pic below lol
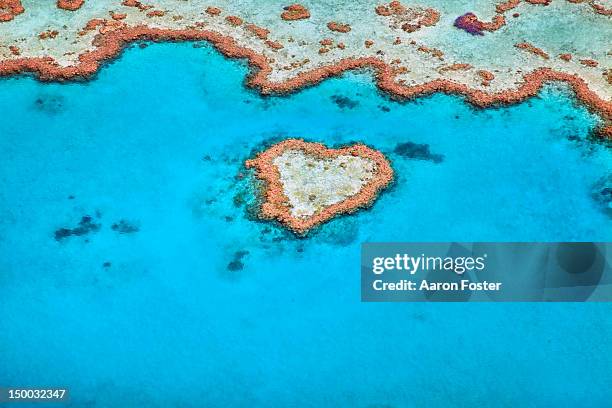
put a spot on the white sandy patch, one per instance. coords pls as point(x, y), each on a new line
point(312, 184)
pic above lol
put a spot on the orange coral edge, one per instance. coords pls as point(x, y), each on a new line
point(70, 5)
point(276, 204)
point(111, 43)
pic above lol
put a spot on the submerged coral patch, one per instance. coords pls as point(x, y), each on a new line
point(602, 194)
point(344, 102)
point(236, 263)
point(125, 227)
point(85, 226)
point(50, 104)
point(417, 151)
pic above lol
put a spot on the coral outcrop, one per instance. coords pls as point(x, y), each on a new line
point(295, 12)
point(9, 9)
point(409, 19)
point(470, 23)
point(70, 5)
point(306, 184)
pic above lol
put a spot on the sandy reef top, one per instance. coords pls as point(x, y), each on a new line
point(312, 184)
point(487, 47)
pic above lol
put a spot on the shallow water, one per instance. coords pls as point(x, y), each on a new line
point(169, 308)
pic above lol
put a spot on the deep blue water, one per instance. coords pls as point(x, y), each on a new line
point(175, 312)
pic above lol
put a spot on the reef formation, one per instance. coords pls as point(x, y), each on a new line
point(413, 49)
point(471, 24)
point(70, 5)
point(306, 184)
point(9, 9)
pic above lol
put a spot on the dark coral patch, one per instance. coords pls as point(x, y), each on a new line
point(236, 264)
point(417, 151)
point(602, 194)
point(49, 104)
point(344, 102)
point(341, 232)
point(125, 227)
point(239, 199)
point(468, 22)
point(85, 226)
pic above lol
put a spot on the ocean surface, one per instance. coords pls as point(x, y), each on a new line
point(133, 272)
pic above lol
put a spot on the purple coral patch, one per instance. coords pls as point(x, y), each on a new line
point(469, 23)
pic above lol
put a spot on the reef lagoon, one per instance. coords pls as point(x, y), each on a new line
point(133, 272)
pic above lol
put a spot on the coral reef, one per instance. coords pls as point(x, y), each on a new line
point(86, 226)
point(455, 67)
point(486, 76)
point(295, 12)
point(258, 31)
point(406, 63)
point(9, 9)
point(507, 5)
point(233, 20)
point(409, 19)
point(470, 23)
point(213, 11)
point(307, 184)
point(587, 62)
point(532, 49)
point(338, 27)
point(417, 151)
point(70, 5)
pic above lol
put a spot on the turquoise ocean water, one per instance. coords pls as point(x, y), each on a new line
point(170, 294)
